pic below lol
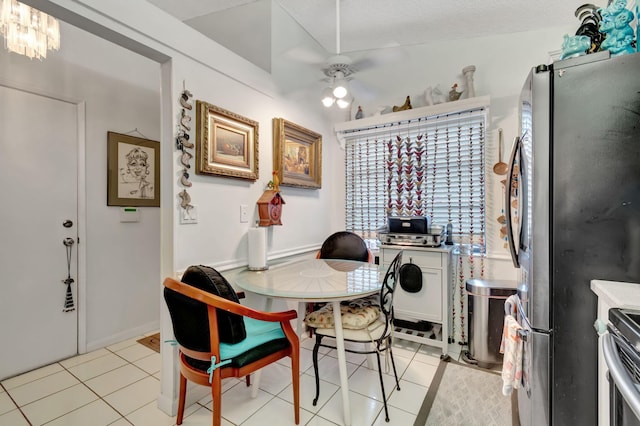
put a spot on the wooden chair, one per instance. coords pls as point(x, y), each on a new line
point(376, 334)
point(219, 338)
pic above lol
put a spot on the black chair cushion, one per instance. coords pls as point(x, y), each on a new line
point(344, 245)
point(189, 317)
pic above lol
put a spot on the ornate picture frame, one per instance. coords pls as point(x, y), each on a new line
point(297, 155)
point(226, 143)
point(133, 171)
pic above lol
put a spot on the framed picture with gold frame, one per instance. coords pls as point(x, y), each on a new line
point(133, 171)
point(297, 155)
point(226, 143)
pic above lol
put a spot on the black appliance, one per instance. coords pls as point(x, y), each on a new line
point(575, 173)
point(411, 231)
point(621, 348)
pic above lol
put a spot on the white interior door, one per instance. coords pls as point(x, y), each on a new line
point(39, 193)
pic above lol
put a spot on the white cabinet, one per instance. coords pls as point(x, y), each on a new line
point(423, 316)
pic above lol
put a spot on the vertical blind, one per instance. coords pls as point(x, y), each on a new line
point(430, 166)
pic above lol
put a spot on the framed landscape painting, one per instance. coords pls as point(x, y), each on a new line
point(297, 155)
point(226, 143)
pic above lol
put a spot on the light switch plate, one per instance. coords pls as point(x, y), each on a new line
point(190, 216)
point(244, 213)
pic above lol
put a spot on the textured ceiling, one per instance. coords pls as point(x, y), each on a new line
point(373, 24)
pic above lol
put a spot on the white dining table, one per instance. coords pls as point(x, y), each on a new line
point(315, 281)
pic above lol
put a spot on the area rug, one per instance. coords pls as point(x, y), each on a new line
point(152, 342)
point(466, 395)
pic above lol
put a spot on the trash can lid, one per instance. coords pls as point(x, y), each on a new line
point(496, 288)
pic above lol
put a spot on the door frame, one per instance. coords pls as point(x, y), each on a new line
point(81, 279)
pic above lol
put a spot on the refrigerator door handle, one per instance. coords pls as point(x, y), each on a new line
point(524, 334)
point(507, 203)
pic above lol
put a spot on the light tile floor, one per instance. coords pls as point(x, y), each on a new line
point(118, 386)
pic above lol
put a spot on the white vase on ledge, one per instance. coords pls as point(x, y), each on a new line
point(468, 77)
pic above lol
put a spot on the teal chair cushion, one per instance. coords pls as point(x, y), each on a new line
point(263, 338)
point(258, 332)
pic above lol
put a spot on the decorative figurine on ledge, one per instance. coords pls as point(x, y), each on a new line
point(574, 46)
point(615, 25)
point(274, 184)
point(403, 107)
point(359, 113)
point(435, 96)
point(454, 94)
point(468, 78)
point(590, 18)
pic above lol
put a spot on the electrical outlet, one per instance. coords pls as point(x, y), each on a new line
point(244, 213)
point(189, 216)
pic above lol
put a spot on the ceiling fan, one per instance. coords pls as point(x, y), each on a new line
point(339, 70)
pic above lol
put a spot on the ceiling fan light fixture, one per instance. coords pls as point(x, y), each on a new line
point(343, 103)
point(340, 89)
point(327, 97)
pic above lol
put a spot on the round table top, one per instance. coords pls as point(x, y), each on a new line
point(314, 280)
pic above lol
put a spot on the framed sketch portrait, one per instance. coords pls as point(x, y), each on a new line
point(133, 171)
point(226, 143)
point(297, 155)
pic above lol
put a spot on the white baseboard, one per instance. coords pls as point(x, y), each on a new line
point(124, 335)
point(168, 404)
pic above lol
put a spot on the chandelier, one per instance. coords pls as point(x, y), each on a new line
point(28, 31)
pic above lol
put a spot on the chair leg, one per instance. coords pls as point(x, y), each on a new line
point(181, 398)
point(216, 395)
point(384, 396)
point(315, 367)
point(256, 383)
point(393, 363)
point(295, 380)
point(247, 379)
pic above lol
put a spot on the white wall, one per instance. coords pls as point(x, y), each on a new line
point(122, 259)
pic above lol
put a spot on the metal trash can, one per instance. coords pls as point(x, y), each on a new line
point(486, 319)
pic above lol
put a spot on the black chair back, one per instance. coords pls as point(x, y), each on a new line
point(189, 317)
point(344, 245)
point(388, 288)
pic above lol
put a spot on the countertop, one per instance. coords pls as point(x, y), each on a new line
point(617, 294)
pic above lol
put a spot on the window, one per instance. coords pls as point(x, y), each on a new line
point(429, 166)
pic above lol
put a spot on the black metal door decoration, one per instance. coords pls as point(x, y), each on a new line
point(68, 300)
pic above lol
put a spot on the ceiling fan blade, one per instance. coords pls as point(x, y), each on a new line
point(379, 58)
point(305, 56)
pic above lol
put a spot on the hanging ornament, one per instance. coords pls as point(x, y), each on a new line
point(68, 300)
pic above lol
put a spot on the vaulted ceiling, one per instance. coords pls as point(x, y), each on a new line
point(292, 38)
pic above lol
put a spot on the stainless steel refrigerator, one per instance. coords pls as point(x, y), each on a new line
point(574, 199)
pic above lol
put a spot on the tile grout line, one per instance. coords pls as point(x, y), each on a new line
point(15, 404)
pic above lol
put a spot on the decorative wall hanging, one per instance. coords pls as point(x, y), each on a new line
point(226, 143)
point(133, 171)
point(270, 208)
point(297, 155)
point(184, 144)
